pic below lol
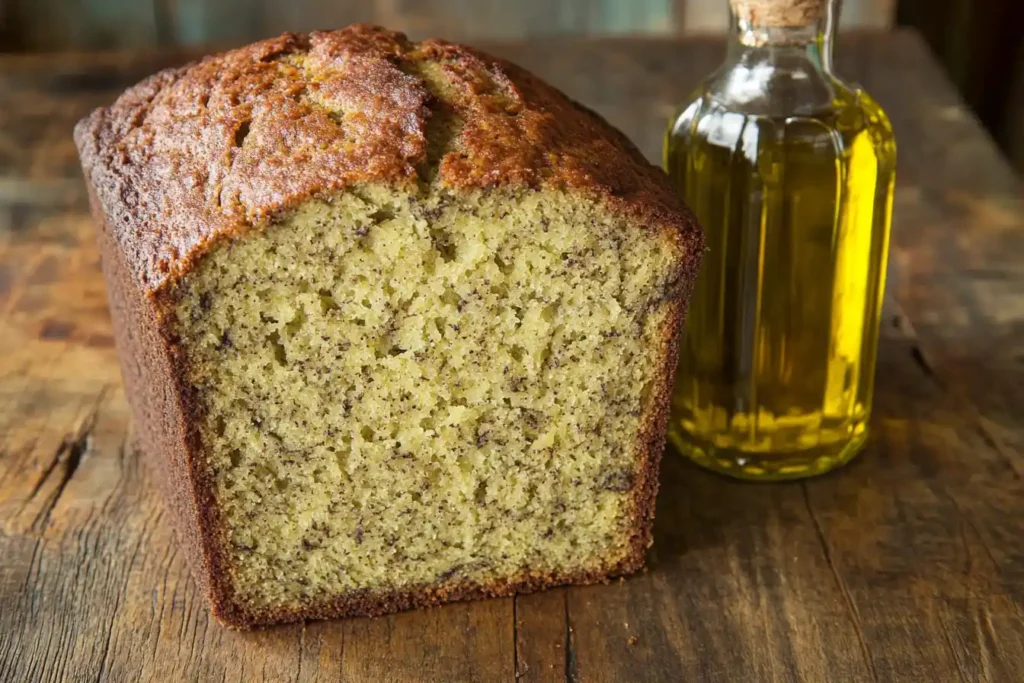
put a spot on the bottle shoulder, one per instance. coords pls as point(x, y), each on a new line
point(848, 113)
point(782, 84)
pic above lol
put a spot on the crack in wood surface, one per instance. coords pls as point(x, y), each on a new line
point(851, 608)
point(963, 675)
point(117, 603)
point(901, 322)
point(904, 327)
point(68, 457)
point(341, 644)
point(962, 524)
point(921, 360)
point(571, 665)
point(990, 440)
point(302, 650)
point(515, 638)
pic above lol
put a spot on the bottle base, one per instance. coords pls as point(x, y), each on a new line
point(759, 466)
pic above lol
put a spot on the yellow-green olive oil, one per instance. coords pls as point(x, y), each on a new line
point(778, 359)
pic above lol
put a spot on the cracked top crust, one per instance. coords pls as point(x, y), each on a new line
point(196, 154)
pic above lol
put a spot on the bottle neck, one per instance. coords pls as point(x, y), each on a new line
point(808, 45)
point(779, 66)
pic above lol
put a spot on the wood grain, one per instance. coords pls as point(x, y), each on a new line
point(908, 565)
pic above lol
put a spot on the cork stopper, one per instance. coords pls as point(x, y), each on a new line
point(779, 13)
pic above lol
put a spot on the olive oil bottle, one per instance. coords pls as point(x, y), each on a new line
point(790, 172)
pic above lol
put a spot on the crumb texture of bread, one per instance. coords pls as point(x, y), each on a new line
point(401, 390)
point(421, 311)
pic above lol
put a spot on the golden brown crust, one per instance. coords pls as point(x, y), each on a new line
point(196, 155)
point(193, 155)
point(161, 407)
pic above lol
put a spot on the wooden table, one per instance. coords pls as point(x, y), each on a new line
point(906, 566)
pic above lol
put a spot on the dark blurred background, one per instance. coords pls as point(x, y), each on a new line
point(977, 41)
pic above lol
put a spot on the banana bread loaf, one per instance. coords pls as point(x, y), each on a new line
point(397, 322)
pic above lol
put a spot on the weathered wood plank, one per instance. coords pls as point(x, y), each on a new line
point(936, 525)
point(542, 637)
point(460, 642)
point(739, 588)
point(907, 565)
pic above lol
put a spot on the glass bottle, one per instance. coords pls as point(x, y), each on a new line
point(790, 172)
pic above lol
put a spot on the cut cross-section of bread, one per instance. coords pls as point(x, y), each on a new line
point(397, 322)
